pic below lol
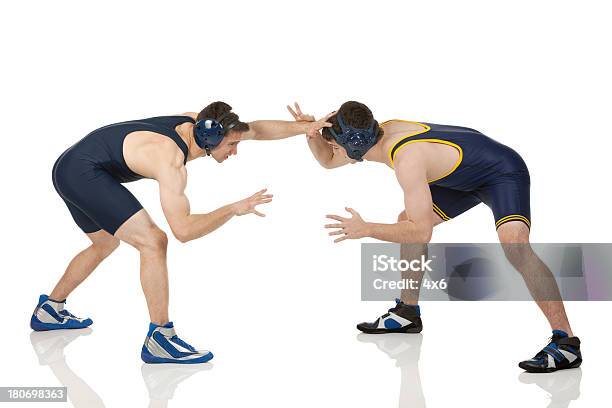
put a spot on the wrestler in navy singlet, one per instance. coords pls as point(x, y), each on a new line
point(89, 174)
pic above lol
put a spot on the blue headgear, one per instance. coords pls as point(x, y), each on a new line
point(357, 142)
point(210, 132)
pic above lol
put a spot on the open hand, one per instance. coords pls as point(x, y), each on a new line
point(247, 206)
point(349, 228)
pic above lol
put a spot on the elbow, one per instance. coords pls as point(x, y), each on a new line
point(181, 234)
point(327, 164)
point(425, 235)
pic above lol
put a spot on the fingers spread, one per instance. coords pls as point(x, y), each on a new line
point(335, 217)
point(334, 225)
point(341, 239)
point(260, 192)
point(292, 112)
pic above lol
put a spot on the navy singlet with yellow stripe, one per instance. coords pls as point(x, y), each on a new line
point(486, 171)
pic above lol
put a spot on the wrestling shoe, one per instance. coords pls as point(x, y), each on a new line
point(162, 345)
point(51, 315)
point(402, 318)
point(561, 352)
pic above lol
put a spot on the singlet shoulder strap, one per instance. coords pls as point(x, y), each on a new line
point(405, 139)
point(170, 123)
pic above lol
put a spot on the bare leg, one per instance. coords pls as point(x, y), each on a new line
point(84, 263)
point(410, 296)
point(141, 232)
point(514, 237)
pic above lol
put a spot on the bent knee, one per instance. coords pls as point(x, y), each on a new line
point(154, 239)
point(513, 232)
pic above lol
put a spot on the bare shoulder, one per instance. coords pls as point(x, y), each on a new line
point(170, 154)
point(192, 115)
point(409, 161)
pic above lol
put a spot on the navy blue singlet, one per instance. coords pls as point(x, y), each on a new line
point(89, 174)
point(486, 172)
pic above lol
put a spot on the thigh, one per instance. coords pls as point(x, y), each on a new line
point(508, 198)
point(100, 197)
point(449, 203)
point(138, 230)
point(86, 224)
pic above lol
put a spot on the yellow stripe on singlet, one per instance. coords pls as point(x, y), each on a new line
point(441, 213)
point(512, 217)
point(426, 128)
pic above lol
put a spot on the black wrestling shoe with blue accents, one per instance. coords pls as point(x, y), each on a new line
point(402, 318)
point(562, 352)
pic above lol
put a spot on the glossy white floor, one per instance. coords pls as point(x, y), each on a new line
point(303, 355)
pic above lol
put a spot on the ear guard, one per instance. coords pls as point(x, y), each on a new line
point(356, 141)
point(210, 132)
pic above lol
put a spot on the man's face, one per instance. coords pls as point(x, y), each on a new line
point(227, 147)
point(340, 150)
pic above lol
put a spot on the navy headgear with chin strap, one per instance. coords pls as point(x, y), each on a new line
point(356, 141)
point(210, 132)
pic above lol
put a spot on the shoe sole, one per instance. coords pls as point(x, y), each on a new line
point(385, 331)
point(37, 325)
point(575, 364)
point(150, 359)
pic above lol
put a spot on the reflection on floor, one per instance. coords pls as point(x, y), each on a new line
point(563, 386)
point(405, 349)
point(161, 380)
point(49, 347)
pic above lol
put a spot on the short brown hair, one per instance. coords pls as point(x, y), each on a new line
point(217, 110)
point(354, 114)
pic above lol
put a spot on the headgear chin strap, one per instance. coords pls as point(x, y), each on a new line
point(210, 132)
point(357, 142)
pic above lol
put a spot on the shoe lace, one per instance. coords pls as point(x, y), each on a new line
point(183, 343)
point(64, 312)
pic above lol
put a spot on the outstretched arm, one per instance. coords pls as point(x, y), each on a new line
point(274, 129)
point(185, 226)
point(280, 129)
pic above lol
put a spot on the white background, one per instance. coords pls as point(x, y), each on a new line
point(273, 298)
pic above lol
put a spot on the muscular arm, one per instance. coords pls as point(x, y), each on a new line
point(325, 153)
point(411, 175)
point(274, 129)
point(185, 226)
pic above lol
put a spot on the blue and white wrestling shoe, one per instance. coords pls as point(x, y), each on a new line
point(51, 315)
point(562, 352)
point(162, 345)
